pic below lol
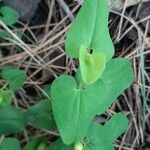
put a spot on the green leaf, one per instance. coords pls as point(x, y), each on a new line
point(34, 144)
point(5, 98)
point(59, 145)
point(71, 109)
point(90, 28)
point(15, 77)
point(40, 115)
point(117, 76)
point(102, 137)
point(10, 143)
point(8, 15)
point(92, 65)
point(11, 120)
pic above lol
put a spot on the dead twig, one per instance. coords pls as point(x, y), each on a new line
point(66, 9)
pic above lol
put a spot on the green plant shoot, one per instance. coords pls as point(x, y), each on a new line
point(74, 101)
point(98, 82)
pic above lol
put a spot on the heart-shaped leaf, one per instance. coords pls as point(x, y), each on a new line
point(71, 107)
point(5, 98)
point(102, 137)
point(8, 15)
point(15, 77)
point(40, 115)
point(10, 143)
point(71, 104)
point(91, 65)
point(90, 28)
point(11, 120)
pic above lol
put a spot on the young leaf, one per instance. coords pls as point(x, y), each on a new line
point(40, 115)
point(10, 143)
point(90, 28)
point(91, 65)
point(71, 109)
point(8, 15)
point(11, 120)
point(34, 144)
point(5, 98)
point(15, 77)
point(102, 137)
point(59, 145)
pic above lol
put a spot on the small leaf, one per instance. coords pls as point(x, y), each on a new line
point(102, 137)
point(5, 98)
point(8, 15)
point(40, 115)
point(33, 144)
point(11, 120)
point(15, 77)
point(90, 28)
point(91, 65)
point(59, 145)
point(10, 143)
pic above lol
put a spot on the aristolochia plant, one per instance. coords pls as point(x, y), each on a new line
point(75, 101)
point(98, 82)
